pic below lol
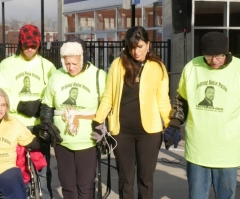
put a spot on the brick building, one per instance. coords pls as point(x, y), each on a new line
point(109, 20)
point(11, 36)
point(50, 36)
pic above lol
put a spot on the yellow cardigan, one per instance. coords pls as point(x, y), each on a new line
point(153, 95)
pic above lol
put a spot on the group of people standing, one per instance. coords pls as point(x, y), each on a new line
point(65, 107)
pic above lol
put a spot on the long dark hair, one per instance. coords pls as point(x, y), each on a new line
point(133, 36)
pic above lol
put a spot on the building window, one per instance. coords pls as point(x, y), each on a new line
point(148, 18)
point(158, 14)
point(209, 13)
point(222, 16)
point(138, 17)
point(106, 19)
point(70, 25)
point(85, 21)
point(234, 14)
point(234, 35)
point(124, 20)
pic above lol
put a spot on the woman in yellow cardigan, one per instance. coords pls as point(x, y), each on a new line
point(137, 94)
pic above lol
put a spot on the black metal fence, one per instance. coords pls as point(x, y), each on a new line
point(100, 53)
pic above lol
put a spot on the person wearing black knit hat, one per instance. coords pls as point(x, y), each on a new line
point(215, 49)
point(77, 154)
point(212, 134)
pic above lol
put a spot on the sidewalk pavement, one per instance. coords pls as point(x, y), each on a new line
point(170, 180)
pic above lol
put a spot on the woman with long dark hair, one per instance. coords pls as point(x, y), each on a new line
point(137, 96)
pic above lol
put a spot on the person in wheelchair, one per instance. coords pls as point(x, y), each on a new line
point(12, 134)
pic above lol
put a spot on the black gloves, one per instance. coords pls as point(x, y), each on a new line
point(98, 131)
point(29, 108)
point(44, 135)
point(171, 136)
point(49, 133)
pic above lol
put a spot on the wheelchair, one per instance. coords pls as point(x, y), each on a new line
point(33, 187)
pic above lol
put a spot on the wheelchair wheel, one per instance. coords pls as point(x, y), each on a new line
point(34, 185)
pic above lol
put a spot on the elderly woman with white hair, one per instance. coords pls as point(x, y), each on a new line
point(73, 113)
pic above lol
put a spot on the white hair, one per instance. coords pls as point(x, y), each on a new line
point(71, 49)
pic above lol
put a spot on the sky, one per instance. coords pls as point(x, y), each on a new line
point(25, 9)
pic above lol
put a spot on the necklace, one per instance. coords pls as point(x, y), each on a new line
point(137, 79)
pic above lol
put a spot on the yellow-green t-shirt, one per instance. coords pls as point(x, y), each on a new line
point(79, 92)
point(24, 81)
point(213, 121)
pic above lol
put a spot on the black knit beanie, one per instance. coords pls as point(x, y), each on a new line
point(214, 43)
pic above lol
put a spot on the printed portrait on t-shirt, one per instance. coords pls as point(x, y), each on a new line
point(209, 96)
point(73, 95)
point(26, 85)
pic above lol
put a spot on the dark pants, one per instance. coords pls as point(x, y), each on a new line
point(76, 172)
point(12, 185)
point(45, 174)
point(140, 151)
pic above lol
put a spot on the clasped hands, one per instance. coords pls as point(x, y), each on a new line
point(100, 135)
point(69, 116)
point(171, 136)
point(99, 131)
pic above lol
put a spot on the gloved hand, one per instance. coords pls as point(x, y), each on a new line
point(171, 136)
point(101, 137)
point(29, 108)
point(49, 132)
point(44, 135)
point(98, 131)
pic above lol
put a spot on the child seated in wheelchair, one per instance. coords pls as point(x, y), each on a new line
point(12, 134)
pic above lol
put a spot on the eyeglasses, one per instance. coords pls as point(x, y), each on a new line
point(218, 57)
point(3, 105)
